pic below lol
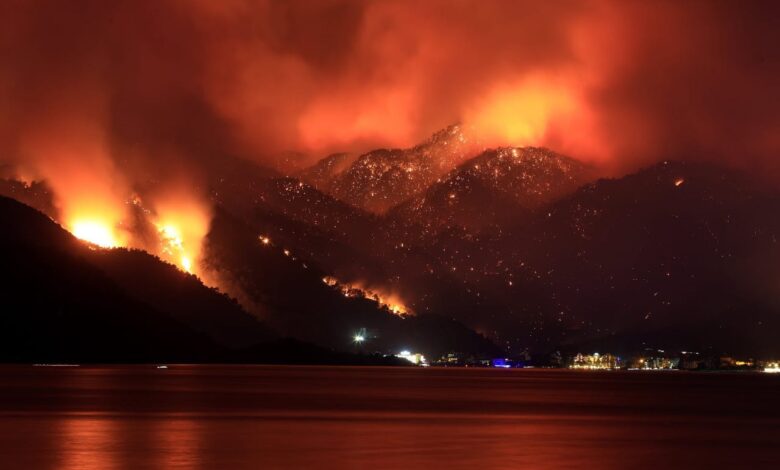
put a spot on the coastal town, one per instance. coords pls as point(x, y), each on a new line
point(648, 360)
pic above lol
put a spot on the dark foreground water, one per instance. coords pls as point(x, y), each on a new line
point(225, 417)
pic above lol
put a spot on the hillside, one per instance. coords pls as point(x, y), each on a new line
point(493, 189)
point(288, 291)
point(677, 250)
point(383, 178)
point(65, 301)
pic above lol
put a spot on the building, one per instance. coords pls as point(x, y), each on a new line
point(595, 361)
point(655, 363)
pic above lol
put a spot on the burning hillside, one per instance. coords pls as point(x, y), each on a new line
point(492, 189)
point(380, 179)
point(356, 289)
point(146, 121)
point(171, 227)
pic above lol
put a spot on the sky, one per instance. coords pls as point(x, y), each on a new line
point(103, 95)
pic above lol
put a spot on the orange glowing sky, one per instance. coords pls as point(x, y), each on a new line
point(618, 81)
point(99, 97)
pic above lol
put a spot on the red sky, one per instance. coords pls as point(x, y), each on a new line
point(133, 88)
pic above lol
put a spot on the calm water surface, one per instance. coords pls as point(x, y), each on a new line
point(226, 417)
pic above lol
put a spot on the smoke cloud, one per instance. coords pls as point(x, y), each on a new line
point(104, 96)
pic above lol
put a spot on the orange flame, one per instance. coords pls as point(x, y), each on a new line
point(96, 232)
point(389, 301)
point(182, 222)
point(73, 157)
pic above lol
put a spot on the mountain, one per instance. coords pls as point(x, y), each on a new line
point(682, 255)
point(383, 178)
point(146, 279)
point(59, 307)
point(321, 174)
point(530, 254)
point(65, 301)
point(316, 230)
point(35, 194)
point(516, 245)
point(494, 189)
point(333, 239)
point(293, 295)
point(298, 217)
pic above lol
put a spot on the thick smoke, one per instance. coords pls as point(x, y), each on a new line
point(113, 94)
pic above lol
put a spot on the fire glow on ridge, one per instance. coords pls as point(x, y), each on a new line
point(388, 301)
point(95, 232)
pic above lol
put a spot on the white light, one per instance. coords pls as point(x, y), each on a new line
point(359, 338)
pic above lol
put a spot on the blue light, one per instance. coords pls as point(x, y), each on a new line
point(501, 363)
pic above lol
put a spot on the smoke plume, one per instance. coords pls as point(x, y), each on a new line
point(101, 97)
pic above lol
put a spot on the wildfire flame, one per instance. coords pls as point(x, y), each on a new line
point(388, 301)
point(173, 246)
point(181, 223)
point(95, 232)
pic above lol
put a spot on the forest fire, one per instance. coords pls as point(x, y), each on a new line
point(388, 301)
point(173, 246)
point(182, 221)
point(95, 232)
point(179, 225)
point(472, 144)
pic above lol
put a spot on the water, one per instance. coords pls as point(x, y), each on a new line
point(226, 417)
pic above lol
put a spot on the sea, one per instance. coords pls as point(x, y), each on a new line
point(288, 417)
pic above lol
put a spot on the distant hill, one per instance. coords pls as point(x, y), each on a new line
point(493, 189)
point(518, 247)
point(324, 172)
point(383, 178)
point(36, 194)
point(681, 254)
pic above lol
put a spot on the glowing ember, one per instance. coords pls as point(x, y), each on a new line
point(678, 182)
point(95, 232)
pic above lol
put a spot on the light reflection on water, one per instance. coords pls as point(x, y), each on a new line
point(212, 417)
point(87, 443)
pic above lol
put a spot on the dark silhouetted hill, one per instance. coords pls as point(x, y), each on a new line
point(64, 301)
point(682, 255)
point(288, 292)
